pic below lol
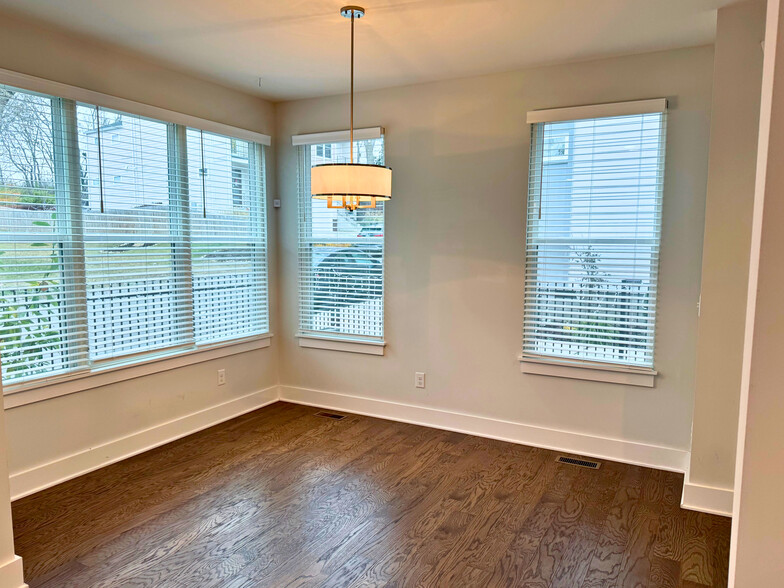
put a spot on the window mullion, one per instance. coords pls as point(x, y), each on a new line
point(258, 247)
point(180, 226)
point(70, 228)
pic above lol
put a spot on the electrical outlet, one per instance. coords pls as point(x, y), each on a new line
point(221, 377)
point(419, 379)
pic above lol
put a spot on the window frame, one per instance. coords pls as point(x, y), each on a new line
point(573, 367)
point(94, 373)
point(369, 345)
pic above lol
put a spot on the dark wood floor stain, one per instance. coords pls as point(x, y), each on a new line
point(280, 497)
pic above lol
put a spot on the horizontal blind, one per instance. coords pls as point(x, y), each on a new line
point(341, 252)
point(592, 239)
point(136, 282)
point(115, 241)
point(136, 287)
point(42, 322)
point(228, 235)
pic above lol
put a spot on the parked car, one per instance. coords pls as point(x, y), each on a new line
point(347, 275)
point(371, 232)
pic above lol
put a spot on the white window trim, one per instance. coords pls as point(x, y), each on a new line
point(597, 111)
point(34, 84)
point(346, 344)
point(325, 340)
point(571, 368)
point(596, 372)
point(337, 136)
point(120, 371)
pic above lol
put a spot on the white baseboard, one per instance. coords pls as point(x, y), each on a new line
point(663, 458)
point(11, 574)
point(707, 499)
point(695, 497)
point(49, 474)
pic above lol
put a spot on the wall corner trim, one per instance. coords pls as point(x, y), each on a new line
point(708, 499)
point(653, 456)
point(11, 573)
point(71, 466)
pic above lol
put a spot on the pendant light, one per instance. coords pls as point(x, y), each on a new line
point(351, 185)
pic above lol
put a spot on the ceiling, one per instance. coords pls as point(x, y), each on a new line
point(300, 47)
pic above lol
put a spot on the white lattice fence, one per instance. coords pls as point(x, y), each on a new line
point(567, 305)
point(226, 304)
point(363, 318)
point(119, 316)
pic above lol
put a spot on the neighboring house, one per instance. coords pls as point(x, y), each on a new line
point(135, 170)
point(565, 191)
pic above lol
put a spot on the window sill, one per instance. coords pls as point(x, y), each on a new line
point(30, 392)
point(342, 344)
point(611, 374)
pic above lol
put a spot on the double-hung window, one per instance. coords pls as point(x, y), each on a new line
point(122, 236)
point(592, 235)
point(341, 252)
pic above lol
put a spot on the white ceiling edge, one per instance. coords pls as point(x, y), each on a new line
point(309, 81)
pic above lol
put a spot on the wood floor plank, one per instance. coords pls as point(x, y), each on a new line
point(697, 558)
point(665, 573)
point(608, 557)
point(573, 566)
point(280, 497)
point(719, 545)
point(541, 568)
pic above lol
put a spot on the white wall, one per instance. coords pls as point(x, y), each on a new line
point(757, 548)
point(49, 439)
point(725, 259)
point(10, 564)
point(454, 238)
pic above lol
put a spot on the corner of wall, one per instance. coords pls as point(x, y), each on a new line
point(707, 499)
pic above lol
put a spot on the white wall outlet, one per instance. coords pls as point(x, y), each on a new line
point(419, 379)
point(276, 203)
point(221, 377)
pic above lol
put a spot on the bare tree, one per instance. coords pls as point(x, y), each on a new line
point(26, 144)
point(368, 217)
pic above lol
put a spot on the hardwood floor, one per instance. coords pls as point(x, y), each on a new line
point(281, 497)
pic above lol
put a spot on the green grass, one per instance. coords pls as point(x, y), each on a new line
point(22, 263)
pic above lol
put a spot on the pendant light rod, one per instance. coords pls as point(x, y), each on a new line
point(352, 12)
point(351, 124)
point(351, 185)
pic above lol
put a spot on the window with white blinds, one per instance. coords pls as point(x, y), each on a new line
point(592, 238)
point(229, 257)
point(341, 252)
point(121, 235)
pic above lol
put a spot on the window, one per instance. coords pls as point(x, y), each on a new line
point(556, 146)
point(341, 253)
point(324, 151)
point(113, 249)
point(237, 191)
point(228, 236)
point(592, 240)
